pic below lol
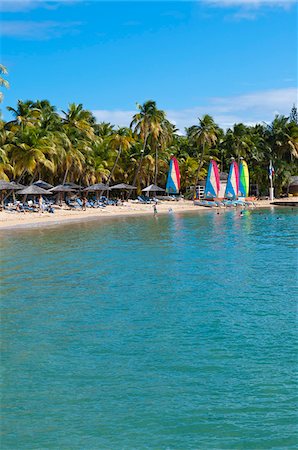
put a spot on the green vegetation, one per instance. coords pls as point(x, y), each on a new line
point(40, 143)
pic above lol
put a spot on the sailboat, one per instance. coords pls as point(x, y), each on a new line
point(212, 182)
point(173, 181)
point(243, 179)
point(232, 188)
point(212, 186)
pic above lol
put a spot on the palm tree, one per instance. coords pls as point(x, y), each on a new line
point(79, 133)
point(5, 166)
point(3, 82)
point(103, 130)
point(149, 124)
point(120, 141)
point(203, 136)
point(25, 115)
point(48, 118)
point(79, 119)
point(31, 152)
point(282, 138)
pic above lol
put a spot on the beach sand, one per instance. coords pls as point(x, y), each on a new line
point(14, 220)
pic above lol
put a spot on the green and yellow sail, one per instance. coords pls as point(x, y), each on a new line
point(243, 179)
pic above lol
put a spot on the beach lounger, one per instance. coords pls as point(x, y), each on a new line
point(141, 199)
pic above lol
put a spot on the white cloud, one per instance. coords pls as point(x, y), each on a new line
point(115, 117)
point(250, 3)
point(36, 30)
point(27, 5)
point(249, 108)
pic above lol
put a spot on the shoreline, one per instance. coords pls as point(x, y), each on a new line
point(14, 221)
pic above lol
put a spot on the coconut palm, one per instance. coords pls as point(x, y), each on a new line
point(79, 119)
point(79, 134)
point(203, 136)
point(3, 82)
point(151, 125)
point(25, 114)
point(120, 141)
point(31, 152)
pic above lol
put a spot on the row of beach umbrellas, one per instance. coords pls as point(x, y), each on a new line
point(41, 187)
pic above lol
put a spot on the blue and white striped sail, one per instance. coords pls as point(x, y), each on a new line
point(232, 189)
point(212, 183)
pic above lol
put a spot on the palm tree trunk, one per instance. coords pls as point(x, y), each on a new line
point(201, 162)
point(139, 166)
point(21, 176)
point(156, 164)
point(65, 175)
point(114, 166)
point(33, 176)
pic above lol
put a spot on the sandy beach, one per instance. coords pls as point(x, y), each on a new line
point(15, 220)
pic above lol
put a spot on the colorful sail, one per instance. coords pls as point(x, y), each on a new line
point(212, 182)
point(243, 179)
point(232, 188)
point(173, 182)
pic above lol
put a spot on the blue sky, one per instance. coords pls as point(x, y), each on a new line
point(233, 59)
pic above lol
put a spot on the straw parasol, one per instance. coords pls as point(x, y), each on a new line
point(10, 186)
point(60, 189)
point(97, 187)
point(123, 186)
point(153, 188)
point(33, 190)
point(43, 184)
point(72, 185)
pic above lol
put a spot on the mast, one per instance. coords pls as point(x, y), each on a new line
point(271, 188)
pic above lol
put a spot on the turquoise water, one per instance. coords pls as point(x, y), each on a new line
point(169, 333)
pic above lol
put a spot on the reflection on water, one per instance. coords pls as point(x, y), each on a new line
point(171, 332)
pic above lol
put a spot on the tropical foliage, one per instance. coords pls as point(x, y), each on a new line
point(39, 142)
point(3, 82)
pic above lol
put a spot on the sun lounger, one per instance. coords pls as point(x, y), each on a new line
point(143, 199)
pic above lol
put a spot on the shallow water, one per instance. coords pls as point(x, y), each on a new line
point(175, 332)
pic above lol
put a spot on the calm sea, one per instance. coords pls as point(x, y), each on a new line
point(175, 332)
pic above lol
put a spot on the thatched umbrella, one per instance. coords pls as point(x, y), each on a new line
point(97, 187)
point(43, 184)
point(33, 190)
point(9, 186)
point(60, 189)
point(153, 188)
point(4, 185)
point(123, 186)
point(72, 185)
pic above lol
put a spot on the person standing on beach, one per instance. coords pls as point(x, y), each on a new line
point(154, 209)
point(40, 203)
